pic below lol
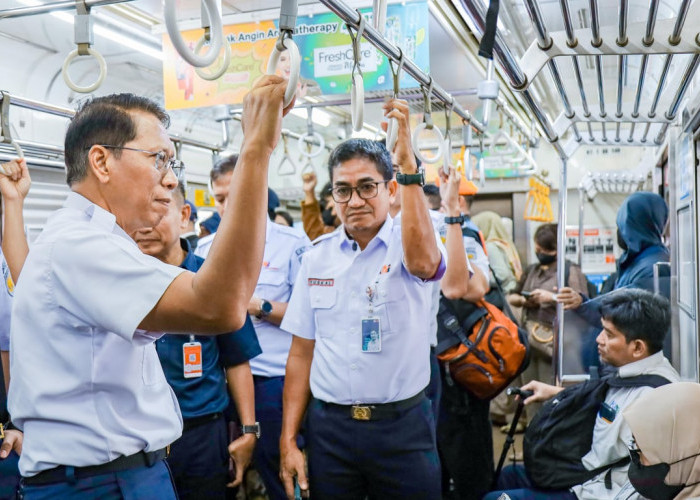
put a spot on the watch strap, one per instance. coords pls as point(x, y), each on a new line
point(251, 429)
point(455, 220)
point(408, 179)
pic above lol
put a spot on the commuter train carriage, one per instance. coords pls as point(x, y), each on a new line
point(572, 106)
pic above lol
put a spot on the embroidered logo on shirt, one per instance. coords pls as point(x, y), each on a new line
point(321, 282)
point(266, 265)
point(9, 284)
point(385, 269)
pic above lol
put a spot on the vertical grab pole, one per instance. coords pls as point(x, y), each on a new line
point(581, 202)
point(558, 351)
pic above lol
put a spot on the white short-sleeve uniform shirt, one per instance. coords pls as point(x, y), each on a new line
point(329, 301)
point(87, 386)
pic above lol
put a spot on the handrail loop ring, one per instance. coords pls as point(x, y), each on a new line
point(285, 42)
point(440, 141)
point(357, 91)
point(181, 47)
point(218, 73)
point(306, 140)
point(392, 130)
point(89, 88)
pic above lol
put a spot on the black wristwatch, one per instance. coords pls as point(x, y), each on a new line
point(251, 429)
point(408, 179)
point(455, 220)
point(265, 309)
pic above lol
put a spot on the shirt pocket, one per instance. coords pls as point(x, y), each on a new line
point(323, 300)
point(271, 284)
point(390, 303)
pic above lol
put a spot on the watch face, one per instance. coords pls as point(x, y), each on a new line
point(266, 307)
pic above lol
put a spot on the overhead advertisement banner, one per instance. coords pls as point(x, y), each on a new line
point(326, 52)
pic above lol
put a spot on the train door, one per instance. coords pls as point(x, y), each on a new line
point(683, 203)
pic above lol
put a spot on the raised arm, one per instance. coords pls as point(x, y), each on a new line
point(421, 253)
point(216, 298)
point(14, 186)
point(455, 282)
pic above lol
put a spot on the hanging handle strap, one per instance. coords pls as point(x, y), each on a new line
point(6, 137)
point(487, 41)
point(392, 131)
point(357, 92)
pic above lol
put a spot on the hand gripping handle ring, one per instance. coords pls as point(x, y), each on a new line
point(217, 32)
point(217, 73)
point(89, 88)
point(305, 139)
point(20, 154)
point(416, 150)
point(295, 67)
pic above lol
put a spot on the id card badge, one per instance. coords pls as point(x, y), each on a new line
point(371, 335)
point(192, 359)
point(607, 412)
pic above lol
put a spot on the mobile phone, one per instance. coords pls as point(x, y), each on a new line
point(526, 294)
point(297, 490)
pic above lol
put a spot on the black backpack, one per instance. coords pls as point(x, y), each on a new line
point(562, 433)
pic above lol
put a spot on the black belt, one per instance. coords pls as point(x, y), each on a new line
point(377, 411)
point(191, 423)
point(64, 473)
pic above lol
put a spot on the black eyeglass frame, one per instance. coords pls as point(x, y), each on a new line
point(177, 166)
point(334, 191)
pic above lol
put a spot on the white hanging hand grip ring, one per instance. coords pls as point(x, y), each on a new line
point(100, 78)
point(440, 141)
point(218, 73)
point(309, 137)
point(357, 101)
point(294, 62)
point(217, 34)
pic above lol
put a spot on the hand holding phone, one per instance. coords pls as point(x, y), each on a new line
point(526, 294)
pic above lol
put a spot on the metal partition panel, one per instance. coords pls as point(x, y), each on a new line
point(684, 245)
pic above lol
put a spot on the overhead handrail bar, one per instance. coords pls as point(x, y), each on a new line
point(34, 10)
point(568, 25)
point(287, 23)
point(621, 64)
point(213, 32)
point(601, 88)
point(597, 40)
point(351, 17)
point(675, 37)
point(660, 86)
point(5, 129)
point(640, 85)
point(311, 137)
point(686, 79)
point(215, 73)
point(427, 124)
point(357, 92)
point(646, 132)
point(83, 38)
point(392, 128)
point(622, 24)
point(476, 11)
point(651, 21)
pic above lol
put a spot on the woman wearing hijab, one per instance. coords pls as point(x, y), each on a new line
point(502, 253)
point(665, 453)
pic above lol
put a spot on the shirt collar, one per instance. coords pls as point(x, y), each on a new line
point(98, 216)
point(190, 260)
point(643, 365)
point(384, 234)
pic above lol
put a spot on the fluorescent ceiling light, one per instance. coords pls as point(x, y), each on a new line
point(318, 116)
point(106, 33)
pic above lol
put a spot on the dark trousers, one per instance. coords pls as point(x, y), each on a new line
point(268, 412)
point(199, 461)
point(434, 389)
point(465, 443)
point(9, 476)
point(514, 482)
point(393, 458)
point(142, 483)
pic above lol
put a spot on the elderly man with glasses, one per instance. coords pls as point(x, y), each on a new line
point(359, 313)
point(87, 387)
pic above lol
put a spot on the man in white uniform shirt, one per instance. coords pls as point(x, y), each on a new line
point(360, 317)
point(284, 247)
point(87, 387)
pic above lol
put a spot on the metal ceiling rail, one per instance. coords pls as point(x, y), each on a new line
point(476, 11)
point(34, 10)
point(352, 18)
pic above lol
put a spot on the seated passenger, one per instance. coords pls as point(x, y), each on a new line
point(199, 458)
point(635, 323)
point(665, 451)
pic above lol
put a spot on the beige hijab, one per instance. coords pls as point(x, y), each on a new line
point(494, 231)
point(665, 423)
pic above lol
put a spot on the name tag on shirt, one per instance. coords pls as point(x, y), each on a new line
point(371, 335)
point(192, 359)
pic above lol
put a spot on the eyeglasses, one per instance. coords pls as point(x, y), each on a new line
point(366, 191)
point(161, 165)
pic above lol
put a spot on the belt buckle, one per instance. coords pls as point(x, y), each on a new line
point(2, 431)
point(361, 412)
